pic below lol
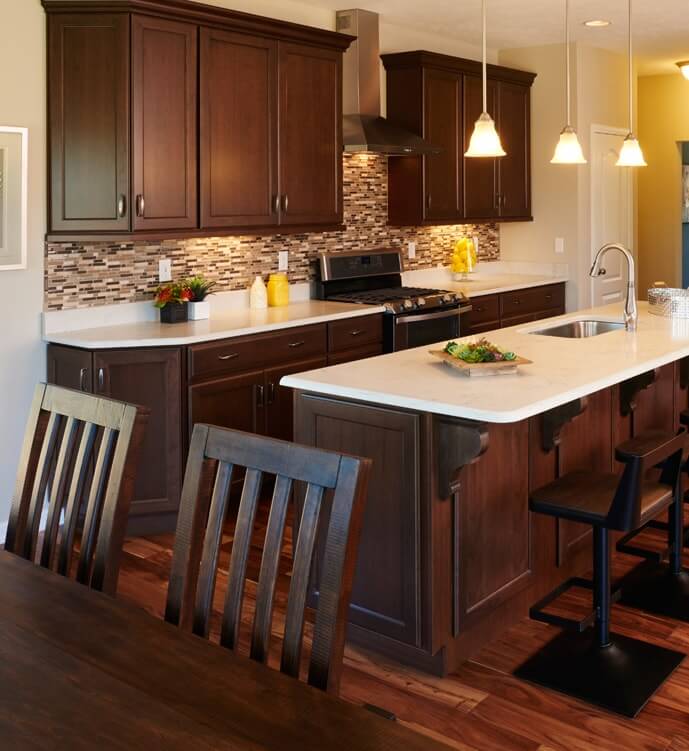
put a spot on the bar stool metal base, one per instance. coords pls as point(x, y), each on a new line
point(621, 677)
point(653, 588)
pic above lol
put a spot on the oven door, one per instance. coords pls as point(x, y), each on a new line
point(422, 329)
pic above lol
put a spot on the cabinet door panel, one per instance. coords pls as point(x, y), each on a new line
point(233, 402)
point(88, 111)
point(480, 173)
point(151, 378)
point(386, 594)
point(279, 400)
point(71, 368)
point(164, 72)
point(310, 135)
point(515, 182)
point(238, 129)
point(443, 102)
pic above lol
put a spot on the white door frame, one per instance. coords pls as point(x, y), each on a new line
point(607, 130)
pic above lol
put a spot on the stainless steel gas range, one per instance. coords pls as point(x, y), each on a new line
point(415, 317)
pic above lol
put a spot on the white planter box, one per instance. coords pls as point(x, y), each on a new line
point(199, 311)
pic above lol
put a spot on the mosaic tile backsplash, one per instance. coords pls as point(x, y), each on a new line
point(85, 275)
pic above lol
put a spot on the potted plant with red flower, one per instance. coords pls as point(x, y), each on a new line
point(199, 306)
point(172, 301)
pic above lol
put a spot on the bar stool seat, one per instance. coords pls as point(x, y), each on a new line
point(586, 497)
point(603, 668)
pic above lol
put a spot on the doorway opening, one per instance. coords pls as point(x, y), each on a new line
point(685, 213)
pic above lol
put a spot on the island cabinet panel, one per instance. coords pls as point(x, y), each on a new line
point(88, 122)
point(385, 599)
point(238, 136)
point(310, 135)
point(493, 532)
point(164, 73)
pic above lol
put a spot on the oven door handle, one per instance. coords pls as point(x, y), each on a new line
point(407, 320)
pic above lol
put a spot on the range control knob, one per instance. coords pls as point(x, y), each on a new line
point(448, 298)
point(408, 304)
point(421, 302)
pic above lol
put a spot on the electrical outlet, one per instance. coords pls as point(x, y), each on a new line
point(283, 260)
point(559, 245)
point(164, 270)
point(411, 250)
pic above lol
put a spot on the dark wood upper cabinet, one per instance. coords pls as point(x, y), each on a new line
point(442, 127)
point(238, 100)
point(234, 120)
point(310, 135)
point(164, 72)
point(480, 174)
point(440, 98)
point(88, 122)
point(515, 130)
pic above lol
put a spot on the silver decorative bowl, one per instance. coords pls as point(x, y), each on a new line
point(669, 302)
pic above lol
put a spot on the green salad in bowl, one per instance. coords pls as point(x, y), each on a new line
point(479, 351)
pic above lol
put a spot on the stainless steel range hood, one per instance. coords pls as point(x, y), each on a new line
point(364, 130)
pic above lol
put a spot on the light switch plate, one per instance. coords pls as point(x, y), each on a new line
point(559, 245)
point(283, 260)
point(411, 250)
point(164, 270)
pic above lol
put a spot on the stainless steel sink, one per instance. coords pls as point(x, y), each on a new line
point(580, 329)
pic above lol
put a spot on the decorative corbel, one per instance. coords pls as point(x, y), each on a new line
point(555, 419)
point(458, 443)
point(630, 389)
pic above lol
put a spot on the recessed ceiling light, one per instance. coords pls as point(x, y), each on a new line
point(597, 23)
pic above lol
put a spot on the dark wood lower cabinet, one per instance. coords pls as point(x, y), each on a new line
point(386, 595)
point(235, 401)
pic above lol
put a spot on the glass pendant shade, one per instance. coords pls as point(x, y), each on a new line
point(631, 154)
point(485, 140)
point(684, 68)
point(568, 149)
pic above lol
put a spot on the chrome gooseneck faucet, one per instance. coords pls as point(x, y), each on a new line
point(631, 315)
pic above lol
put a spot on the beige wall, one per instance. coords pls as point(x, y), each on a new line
point(561, 194)
point(22, 103)
point(663, 122)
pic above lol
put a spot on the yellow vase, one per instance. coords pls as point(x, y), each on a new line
point(278, 290)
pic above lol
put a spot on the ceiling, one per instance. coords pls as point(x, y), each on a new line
point(661, 27)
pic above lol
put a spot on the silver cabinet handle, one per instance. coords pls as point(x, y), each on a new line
point(82, 378)
point(356, 332)
point(121, 205)
point(285, 203)
point(101, 379)
point(271, 393)
point(293, 345)
point(231, 356)
point(429, 201)
point(140, 205)
point(260, 396)
point(276, 204)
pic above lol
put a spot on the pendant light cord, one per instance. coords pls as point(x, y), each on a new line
point(485, 65)
point(631, 74)
point(569, 75)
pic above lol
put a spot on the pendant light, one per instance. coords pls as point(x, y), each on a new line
point(485, 141)
point(568, 149)
point(630, 153)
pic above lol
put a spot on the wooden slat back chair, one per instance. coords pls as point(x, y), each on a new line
point(214, 455)
point(79, 451)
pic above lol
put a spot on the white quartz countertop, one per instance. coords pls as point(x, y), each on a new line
point(228, 324)
point(562, 370)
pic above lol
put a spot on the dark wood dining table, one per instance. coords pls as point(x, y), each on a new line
point(81, 670)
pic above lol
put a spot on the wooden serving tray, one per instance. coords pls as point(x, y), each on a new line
point(502, 367)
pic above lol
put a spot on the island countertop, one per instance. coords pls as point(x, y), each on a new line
point(562, 370)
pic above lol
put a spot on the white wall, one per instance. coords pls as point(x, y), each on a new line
point(22, 355)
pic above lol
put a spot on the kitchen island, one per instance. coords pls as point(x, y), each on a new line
point(450, 555)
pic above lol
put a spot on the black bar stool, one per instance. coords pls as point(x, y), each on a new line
point(661, 584)
point(603, 668)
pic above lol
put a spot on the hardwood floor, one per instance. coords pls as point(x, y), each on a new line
point(481, 707)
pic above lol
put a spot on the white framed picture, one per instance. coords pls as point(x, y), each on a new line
point(14, 168)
